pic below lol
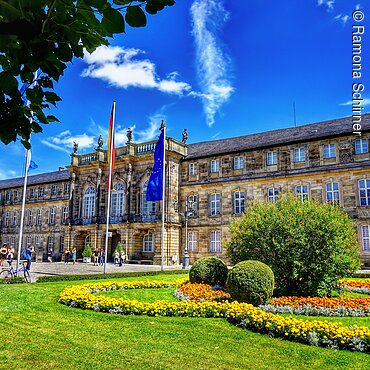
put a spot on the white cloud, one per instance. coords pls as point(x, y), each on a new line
point(364, 103)
point(122, 67)
point(8, 174)
point(64, 141)
point(342, 18)
point(328, 3)
point(152, 131)
point(56, 147)
point(213, 64)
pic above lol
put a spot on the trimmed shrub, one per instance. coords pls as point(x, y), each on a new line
point(251, 282)
point(209, 270)
point(87, 251)
point(308, 245)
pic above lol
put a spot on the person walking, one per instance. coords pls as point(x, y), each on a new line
point(96, 256)
point(116, 258)
point(27, 254)
point(50, 255)
point(10, 255)
point(67, 254)
point(3, 252)
point(74, 255)
point(102, 257)
point(122, 258)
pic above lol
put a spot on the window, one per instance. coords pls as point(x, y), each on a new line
point(52, 216)
point(88, 240)
point(66, 188)
point(29, 217)
point(50, 242)
point(118, 201)
point(215, 241)
point(65, 212)
point(365, 238)
point(364, 192)
point(272, 195)
point(302, 192)
point(15, 195)
point(299, 155)
point(37, 243)
point(32, 193)
point(148, 243)
point(38, 217)
point(215, 165)
point(192, 241)
point(15, 218)
point(6, 220)
point(192, 169)
point(361, 146)
point(238, 163)
point(54, 189)
point(332, 192)
point(271, 158)
point(28, 241)
point(7, 196)
point(192, 202)
point(215, 204)
point(239, 202)
point(41, 192)
point(89, 204)
point(12, 241)
point(329, 151)
point(148, 208)
point(61, 244)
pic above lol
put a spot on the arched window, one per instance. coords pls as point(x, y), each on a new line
point(89, 204)
point(88, 240)
point(148, 208)
point(148, 242)
point(118, 201)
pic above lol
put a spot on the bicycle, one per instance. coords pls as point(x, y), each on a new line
point(9, 273)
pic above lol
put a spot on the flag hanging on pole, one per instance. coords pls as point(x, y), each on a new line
point(155, 184)
point(111, 150)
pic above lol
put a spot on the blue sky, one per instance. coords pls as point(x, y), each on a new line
point(220, 68)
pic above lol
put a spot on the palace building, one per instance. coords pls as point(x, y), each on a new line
point(211, 182)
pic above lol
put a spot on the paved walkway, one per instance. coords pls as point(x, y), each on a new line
point(60, 268)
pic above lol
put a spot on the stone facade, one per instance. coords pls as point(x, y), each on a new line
point(218, 180)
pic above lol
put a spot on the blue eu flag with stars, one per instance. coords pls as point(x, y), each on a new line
point(155, 183)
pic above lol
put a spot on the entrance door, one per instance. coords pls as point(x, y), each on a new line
point(116, 238)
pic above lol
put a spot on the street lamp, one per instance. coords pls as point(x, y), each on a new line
point(189, 211)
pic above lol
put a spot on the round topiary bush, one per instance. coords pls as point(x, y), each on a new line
point(251, 282)
point(209, 270)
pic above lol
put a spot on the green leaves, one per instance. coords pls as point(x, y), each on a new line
point(34, 36)
point(135, 17)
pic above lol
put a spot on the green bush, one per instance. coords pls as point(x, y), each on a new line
point(251, 282)
point(87, 251)
point(308, 245)
point(118, 249)
point(209, 270)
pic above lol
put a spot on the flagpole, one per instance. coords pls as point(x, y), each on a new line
point(28, 160)
point(111, 144)
point(163, 194)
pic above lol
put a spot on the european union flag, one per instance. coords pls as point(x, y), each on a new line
point(155, 183)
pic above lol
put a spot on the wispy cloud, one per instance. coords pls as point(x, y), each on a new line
point(329, 4)
point(342, 18)
point(8, 174)
point(64, 141)
point(213, 63)
point(124, 68)
point(154, 123)
point(365, 102)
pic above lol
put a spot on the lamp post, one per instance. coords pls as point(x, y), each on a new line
point(189, 211)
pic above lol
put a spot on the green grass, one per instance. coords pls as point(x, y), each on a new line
point(39, 333)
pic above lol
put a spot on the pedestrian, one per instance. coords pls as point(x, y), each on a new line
point(50, 255)
point(116, 257)
point(10, 255)
point(74, 255)
point(3, 252)
point(96, 256)
point(27, 255)
point(122, 258)
point(102, 257)
point(67, 254)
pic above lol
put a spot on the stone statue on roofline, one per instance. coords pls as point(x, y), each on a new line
point(185, 136)
point(100, 142)
point(75, 147)
point(129, 135)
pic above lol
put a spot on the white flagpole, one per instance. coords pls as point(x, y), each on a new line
point(109, 186)
point(163, 194)
point(27, 164)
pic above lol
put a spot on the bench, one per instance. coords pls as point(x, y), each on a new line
point(140, 262)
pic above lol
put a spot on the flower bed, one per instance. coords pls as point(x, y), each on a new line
point(320, 333)
point(356, 285)
point(200, 293)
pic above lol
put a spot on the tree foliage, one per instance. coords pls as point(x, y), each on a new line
point(45, 35)
point(308, 245)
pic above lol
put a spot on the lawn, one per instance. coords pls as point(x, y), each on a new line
point(39, 333)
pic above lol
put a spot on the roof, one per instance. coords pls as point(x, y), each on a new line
point(267, 139)
point(36, 179)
